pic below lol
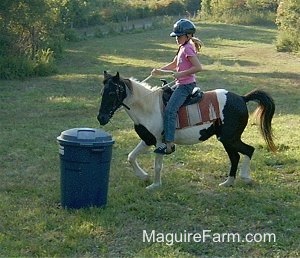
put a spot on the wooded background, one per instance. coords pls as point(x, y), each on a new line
point(33, 32)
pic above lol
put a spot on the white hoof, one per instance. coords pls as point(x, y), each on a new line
point(143, 177)
point(228, 182)
point(153, 186)
point(247, 180)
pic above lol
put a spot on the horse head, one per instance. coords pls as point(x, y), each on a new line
point(113, 94)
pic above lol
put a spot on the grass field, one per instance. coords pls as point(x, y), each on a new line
point(35, 111)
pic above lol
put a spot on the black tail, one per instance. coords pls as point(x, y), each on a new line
point(265, 112)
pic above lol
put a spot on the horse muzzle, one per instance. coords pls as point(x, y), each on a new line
point(103, 118)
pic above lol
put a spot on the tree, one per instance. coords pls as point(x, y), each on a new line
point(26, 27)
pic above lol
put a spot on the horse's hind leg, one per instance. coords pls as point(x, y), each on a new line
point(132, 158)
point(247, 151)
point(245, 170)
point(234, 159)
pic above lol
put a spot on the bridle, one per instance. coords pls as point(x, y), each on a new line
point(121, 94)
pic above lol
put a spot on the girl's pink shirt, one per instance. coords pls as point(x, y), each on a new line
point(183, 63)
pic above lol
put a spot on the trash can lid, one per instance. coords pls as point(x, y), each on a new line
point(85, 136)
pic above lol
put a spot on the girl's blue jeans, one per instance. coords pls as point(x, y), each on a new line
point(177, 99)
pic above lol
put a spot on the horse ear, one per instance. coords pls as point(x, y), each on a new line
point(118, 76)
point(106, 75)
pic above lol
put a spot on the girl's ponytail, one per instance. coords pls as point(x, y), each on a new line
point(198, 43)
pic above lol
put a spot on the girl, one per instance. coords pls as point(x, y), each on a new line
point(185, 65)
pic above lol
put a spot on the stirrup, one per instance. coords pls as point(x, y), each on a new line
point(162, 149)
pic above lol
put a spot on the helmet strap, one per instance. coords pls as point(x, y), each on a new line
point(188, 39)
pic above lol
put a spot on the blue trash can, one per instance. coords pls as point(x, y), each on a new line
point(85, 156)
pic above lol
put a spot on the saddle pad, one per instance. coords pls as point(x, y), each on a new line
point(205, 111)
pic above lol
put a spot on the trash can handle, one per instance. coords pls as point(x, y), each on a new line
point(97, 150)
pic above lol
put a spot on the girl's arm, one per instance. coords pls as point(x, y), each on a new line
point(197, 67)
point(171, 65)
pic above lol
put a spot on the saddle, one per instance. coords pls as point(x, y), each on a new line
point(195, 97)
point(195, 112)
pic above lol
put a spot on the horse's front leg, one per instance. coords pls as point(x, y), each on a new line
point(132, 158)
point(157, 175)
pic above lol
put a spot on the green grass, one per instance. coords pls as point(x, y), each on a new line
point(34, 112)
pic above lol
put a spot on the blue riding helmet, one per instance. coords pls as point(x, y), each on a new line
point(183, 27)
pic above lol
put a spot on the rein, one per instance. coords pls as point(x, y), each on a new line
point(152, 92)
point(161, 70)
point(121, 93)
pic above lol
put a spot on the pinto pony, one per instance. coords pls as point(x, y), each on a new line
point(226, 117)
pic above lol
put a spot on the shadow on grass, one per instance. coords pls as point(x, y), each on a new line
point(255, 34)
point(129, 46)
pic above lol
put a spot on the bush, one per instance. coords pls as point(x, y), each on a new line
point(12, 67)
point(287, 42)
point(44, 63)
point(288, 22)
point(20, 67)
point(247, 12)
point(71, 35)
point(250, 17)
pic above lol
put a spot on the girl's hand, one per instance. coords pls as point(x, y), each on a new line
point(176, 75)
point(160, 71)
point(155, 72)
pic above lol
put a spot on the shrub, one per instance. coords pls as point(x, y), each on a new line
point(288, 22)
point(13, 67)
point(247, 12)
point(20, 67)
point(287, 42)
point(71, 35)
point(44, 63)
